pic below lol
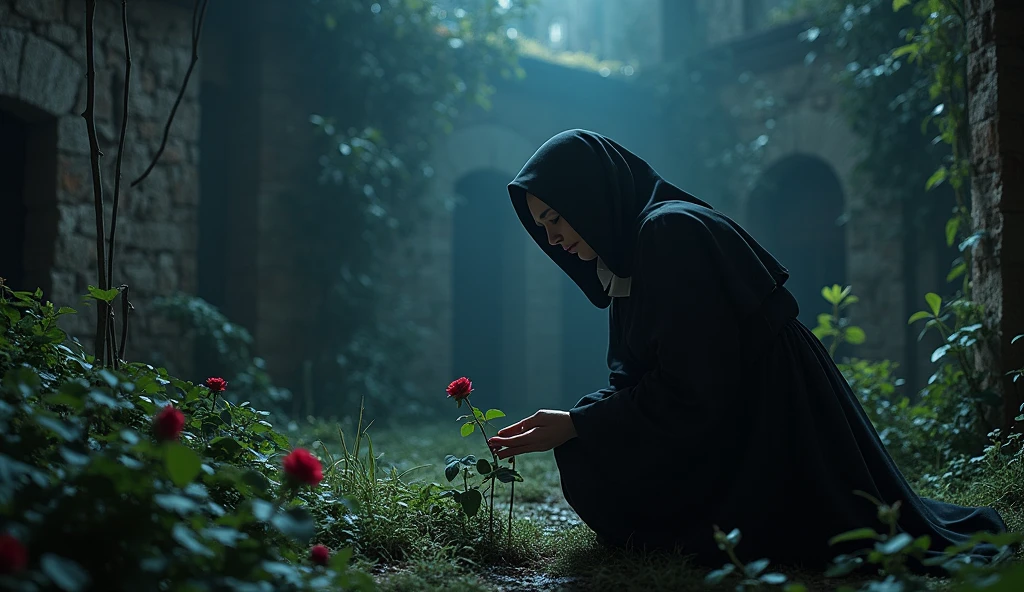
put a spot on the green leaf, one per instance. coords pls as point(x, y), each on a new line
point(773, 579)
point(507, 475)
point(483, 467)
point(296, 523)
point(173, 502)
point(900, 4)
point(754, 568)
point(895, 544)
point(470, 501)
point(855, 335)
point(934, 302)
point(917, 316)
point(939, 352)
point(186, 538)
point(718, 575)
point(467, 429)
point(58, 427)
point(223, 535)
point(451, 470)
point(794, 587)
point(256, 480)
point(937, 177)
point(225, 447)
point(64, 573)
point(477, 413)
point(854, 535)
point(831, 294)
point(952, 225)
point(183, 464)
point(957, 271)
point(104, 295)
point(493, 414)
point(911, 49)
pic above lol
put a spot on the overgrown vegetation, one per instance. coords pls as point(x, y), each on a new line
point(427, 61)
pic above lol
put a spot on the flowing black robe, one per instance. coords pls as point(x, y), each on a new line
point(722, 408)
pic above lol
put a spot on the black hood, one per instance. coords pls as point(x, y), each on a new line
point(602, 190)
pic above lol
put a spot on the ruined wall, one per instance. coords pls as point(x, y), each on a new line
point(996, 114)
point(42, 80)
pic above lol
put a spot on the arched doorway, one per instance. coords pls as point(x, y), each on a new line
point(28, 169)
point(489, 293)
point(795, 212)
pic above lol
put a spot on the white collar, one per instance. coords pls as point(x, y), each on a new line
point(615, 286)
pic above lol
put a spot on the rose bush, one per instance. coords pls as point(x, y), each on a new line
point(137, 480)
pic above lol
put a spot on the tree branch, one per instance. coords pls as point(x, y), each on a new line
point(97, 181)
point(126, 307)
point(120, 144)
point(198, 16)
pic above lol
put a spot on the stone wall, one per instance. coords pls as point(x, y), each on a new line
point(996, 112)
point(42, 80)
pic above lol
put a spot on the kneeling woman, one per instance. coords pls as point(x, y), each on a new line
point(722, 408)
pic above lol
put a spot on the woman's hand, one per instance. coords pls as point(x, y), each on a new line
point(542, 431)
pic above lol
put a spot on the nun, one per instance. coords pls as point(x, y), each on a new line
point(721, 408)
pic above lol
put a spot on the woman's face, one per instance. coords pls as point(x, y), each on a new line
point(559, 231)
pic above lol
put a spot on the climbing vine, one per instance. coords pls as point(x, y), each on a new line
point(396, 76)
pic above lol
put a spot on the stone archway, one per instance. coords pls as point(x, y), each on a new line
point(494, 148)
point(795, 212)
point(38, 88)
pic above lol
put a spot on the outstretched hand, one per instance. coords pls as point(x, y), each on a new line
point(544, 430)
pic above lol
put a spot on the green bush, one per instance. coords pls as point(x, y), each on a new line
point(105, 491)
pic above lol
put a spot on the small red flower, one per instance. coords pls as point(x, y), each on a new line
point(300, 466)
point(167, 424)
point(319, 554)
point(216, 385)
point(459, 389)
point(13, 555)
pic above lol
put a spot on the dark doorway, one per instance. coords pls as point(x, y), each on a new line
point(489, 295)
point(584, 344)
point(796, 213)
point(13, 147)
point(28, 197)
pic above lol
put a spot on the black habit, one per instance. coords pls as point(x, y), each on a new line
point(721, 408)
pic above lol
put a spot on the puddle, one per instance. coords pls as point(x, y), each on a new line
point(523, 580)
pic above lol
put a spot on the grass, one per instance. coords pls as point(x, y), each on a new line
point(413, 541)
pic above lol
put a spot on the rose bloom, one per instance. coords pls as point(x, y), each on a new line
point(300, 466)
point(167, 424)
point(13, 555)
point(319, 554)
point(216, 385)
point(459, 389)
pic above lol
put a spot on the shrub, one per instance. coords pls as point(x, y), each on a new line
point(134, 479)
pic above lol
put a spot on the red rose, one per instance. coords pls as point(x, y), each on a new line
point(460, 389)
point(319, 554)
point(302, 467)
point(167, 424)
point(13, 555)
point(216, 385)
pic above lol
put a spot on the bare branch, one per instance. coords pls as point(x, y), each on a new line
point(126, 307)
point(198, 16)
point(89, 114)
point(120, 144)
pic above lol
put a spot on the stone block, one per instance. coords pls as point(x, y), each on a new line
point(49, 78)
point(75, 253)
point(72, 135)
point(62, 34)
point(140, 276)
point(984, 141)
point(41, 10)
point(12, 43)
point(74, 179)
